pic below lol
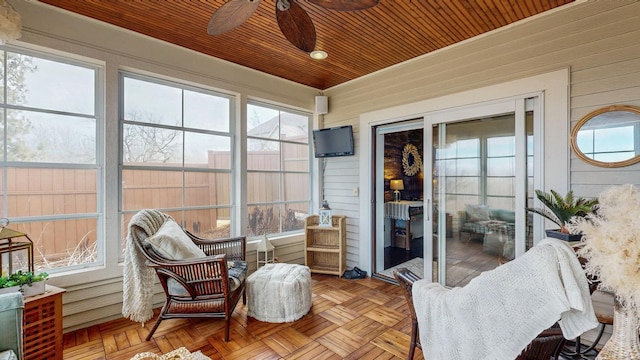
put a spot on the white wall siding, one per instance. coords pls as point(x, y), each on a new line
point(607, 74)
point(597, 41)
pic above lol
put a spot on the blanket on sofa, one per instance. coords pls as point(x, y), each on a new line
point(498, 313)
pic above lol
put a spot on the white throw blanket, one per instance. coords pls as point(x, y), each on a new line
point(498, 313)
point(138, 279)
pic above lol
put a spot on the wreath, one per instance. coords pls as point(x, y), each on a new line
point(411, 160)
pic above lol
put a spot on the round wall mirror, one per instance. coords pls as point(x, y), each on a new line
point(608, 137)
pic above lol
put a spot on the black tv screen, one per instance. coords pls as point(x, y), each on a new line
point(335, 141)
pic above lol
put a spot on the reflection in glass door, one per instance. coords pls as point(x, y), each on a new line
point(476, 192)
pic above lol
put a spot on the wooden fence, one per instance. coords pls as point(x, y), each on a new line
point(35, 192)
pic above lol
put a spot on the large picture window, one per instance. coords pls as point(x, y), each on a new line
point(176, 153)
point(49, 163)
point(278, 169)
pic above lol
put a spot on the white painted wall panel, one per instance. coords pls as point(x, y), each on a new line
point(597, 41)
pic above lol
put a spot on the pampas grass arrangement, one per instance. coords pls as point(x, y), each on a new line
point(611, 244)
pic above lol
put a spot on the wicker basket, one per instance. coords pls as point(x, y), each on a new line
point(623, 344)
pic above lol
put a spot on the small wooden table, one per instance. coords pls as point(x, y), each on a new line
point(402, 210)
point(42, 327)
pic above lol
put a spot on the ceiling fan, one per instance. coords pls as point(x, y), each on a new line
point(293, 20)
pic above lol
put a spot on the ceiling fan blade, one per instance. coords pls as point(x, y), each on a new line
point(230, 15)
point(346, 5)
point(296, 25)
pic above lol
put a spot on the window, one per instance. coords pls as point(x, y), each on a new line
point(176, 153)
point(278, 169)
point(501, 172)
point(482, 169)
point(460, 160)
point(50, 168)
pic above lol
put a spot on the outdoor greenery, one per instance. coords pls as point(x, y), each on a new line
point(22, 278)
point(561, 209)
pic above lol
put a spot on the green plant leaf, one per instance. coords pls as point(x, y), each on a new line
point(561, 209)
point(21, 278)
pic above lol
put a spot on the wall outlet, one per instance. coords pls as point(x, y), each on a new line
point(356, 191)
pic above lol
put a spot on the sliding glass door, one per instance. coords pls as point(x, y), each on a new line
point(482, 167)
point(400, 195)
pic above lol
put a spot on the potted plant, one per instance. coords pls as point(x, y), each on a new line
point(28, 282)
point(561, 209)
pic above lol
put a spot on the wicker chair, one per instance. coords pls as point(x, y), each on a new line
point(546, 345)
point(200, 287)
point(406, 278)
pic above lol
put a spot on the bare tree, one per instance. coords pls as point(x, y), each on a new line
point(64, 145)
point(17, 124)
point(142, 144)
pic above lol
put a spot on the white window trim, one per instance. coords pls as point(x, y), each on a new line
point(99, 114)
point(312, 168)
point(183, 86)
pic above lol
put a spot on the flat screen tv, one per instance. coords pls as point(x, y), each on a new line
point(334, 141)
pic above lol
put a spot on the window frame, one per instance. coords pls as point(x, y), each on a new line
point(281, 172)
point(231, 134)
point(98, 69)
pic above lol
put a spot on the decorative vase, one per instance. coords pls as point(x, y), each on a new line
point(623, 343)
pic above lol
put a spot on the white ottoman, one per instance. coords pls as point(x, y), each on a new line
point(279, 292)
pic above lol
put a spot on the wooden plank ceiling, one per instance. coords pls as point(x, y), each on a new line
point(358, 42)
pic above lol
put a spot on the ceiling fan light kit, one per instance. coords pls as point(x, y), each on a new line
point(318, 54)
point(293, 20)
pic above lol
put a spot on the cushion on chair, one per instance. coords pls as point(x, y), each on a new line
point(171, 242)
point(478, 212)
point(505, 215)
point(11, 310)
point(237, 273)
point(8, 355)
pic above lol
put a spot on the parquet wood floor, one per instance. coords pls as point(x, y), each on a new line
point(350, 319)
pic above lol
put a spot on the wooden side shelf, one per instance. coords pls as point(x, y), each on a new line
point(325, 247)
point(42, 327)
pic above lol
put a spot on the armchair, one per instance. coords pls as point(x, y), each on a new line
point(195, 287)
point(11, 306)
point(406, 278)
point(502, 310)
point(546, 345)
